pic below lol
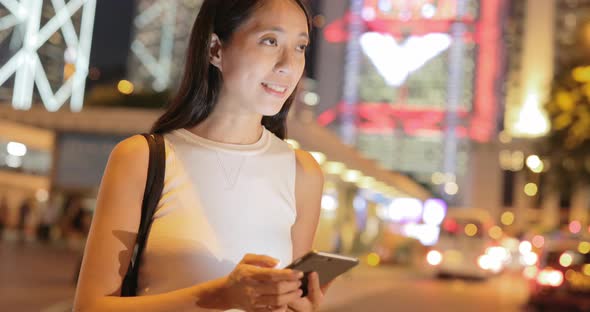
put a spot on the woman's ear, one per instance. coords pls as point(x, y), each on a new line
point(215, 51)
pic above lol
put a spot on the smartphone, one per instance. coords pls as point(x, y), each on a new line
point(327, 265)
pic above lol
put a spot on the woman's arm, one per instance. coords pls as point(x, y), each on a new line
point(112, 238)
point(309, 185)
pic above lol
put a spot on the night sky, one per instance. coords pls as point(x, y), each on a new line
point(111, 38)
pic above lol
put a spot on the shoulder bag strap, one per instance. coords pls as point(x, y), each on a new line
point(151, 197)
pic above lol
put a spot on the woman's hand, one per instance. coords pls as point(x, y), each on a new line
point(315, 296)
point(255, 286)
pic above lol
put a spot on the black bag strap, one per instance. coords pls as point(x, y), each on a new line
point(151, 196)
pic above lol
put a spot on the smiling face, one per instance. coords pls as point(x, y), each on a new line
point(265, 58)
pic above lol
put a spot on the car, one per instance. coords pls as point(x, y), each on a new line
point(464, 248)
point(561, 279)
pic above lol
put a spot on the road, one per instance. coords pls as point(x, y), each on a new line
point(38, 277)
point(398, 289)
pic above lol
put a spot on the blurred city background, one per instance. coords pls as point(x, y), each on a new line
point(454, 136)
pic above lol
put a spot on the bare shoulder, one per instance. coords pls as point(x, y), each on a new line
point(128, 163)
point(133, 150)
point(308, 169)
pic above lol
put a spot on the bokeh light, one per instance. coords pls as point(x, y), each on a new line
point(525, 247)
point(495, 232)
point(125, 87)
point(566, 259)
point(584, 247)
point(538, 241)
point(373, 259)
point(507, 218)
point(451, 188)
point(434, 257)
point(575, 227)
point(534, 163)
point(470, 229)
point(531, 189)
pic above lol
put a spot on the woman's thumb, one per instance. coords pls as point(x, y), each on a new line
point(260, 260)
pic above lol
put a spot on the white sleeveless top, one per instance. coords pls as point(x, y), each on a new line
point(220, 201)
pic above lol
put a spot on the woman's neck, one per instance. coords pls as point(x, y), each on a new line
point(230, 128)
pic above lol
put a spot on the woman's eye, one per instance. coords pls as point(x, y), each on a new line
point(270, 41)
point(302, 47)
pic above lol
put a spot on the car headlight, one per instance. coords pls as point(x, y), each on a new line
point(550, 277)
point(434, 257)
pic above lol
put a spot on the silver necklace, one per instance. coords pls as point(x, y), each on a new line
point(231, 178)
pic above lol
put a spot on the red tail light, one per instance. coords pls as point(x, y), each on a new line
point(450, 225)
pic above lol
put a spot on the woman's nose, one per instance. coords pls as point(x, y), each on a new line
point(285, 62)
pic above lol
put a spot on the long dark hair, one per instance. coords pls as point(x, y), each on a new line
point(201, 83)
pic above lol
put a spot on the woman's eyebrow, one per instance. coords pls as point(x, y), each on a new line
point(281, 30)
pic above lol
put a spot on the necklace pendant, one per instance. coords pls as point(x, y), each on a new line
point(231, 173)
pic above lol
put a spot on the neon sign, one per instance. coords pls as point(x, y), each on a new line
point(396, 61)
point(395, 25)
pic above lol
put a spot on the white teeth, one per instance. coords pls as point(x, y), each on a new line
point(275, 87)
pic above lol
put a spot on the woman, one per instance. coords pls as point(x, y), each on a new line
point(238, 203)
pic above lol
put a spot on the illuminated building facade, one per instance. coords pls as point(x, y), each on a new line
point(45, 50)
point(464, 117)
point(420, 84)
